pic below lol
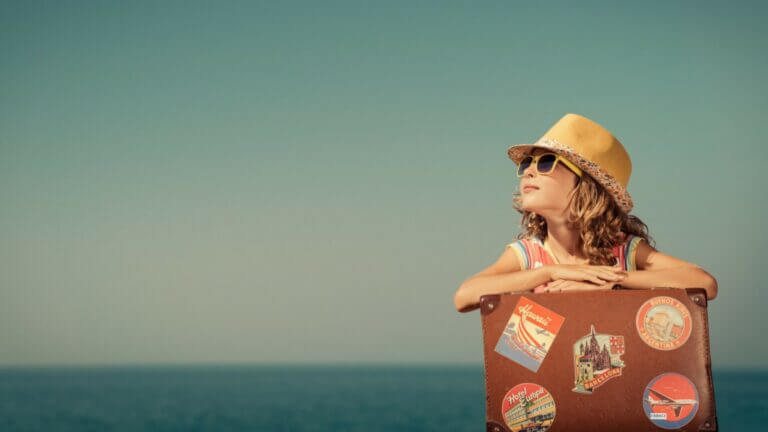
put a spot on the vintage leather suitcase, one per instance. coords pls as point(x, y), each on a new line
point(620, 360)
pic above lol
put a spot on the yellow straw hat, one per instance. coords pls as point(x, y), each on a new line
point(590, 147)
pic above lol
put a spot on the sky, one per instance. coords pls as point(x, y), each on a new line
point(304, 182)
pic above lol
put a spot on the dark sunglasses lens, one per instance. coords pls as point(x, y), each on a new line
point(524, 164)
point(546, 163)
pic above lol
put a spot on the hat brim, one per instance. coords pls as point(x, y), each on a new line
point(518, 151)
point(617, 190)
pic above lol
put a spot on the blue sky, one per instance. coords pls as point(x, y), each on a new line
point(186, 182)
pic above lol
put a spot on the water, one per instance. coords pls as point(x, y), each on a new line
point(287, 398)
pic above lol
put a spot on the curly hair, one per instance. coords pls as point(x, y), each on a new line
point(592, 212)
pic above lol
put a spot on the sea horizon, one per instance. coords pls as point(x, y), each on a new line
point(274, 397)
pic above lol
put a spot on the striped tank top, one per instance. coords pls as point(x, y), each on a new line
point(532, 253)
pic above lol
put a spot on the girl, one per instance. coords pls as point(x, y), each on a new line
point(577, 231)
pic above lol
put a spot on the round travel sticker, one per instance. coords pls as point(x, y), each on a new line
point(670, 400)
point(528, 406)
point(663, 323)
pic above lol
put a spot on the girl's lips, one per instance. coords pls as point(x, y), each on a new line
point(529, 188)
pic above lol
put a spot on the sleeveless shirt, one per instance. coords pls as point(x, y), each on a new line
point(532, 253)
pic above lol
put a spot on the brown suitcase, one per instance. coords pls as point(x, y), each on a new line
point(619, 360)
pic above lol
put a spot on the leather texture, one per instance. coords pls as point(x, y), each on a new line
point(617, 404)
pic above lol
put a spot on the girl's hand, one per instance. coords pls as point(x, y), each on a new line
point(596, 274)
point(564, 285)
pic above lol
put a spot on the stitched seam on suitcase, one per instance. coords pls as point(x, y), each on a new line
point(709, 363)
point(485, 369)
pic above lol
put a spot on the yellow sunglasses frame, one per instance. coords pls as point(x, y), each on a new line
point(558, 158)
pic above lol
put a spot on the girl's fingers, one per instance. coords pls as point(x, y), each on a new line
point(615, 272)
point(553, 284)
point(612, 269)
point(607, 275)
point(546, 286)
point(613, 276)
point(588, 282)
point(609, 271)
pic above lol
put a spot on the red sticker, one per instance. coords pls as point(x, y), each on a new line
point(670, 400)
point(528, 407)
point(529, 333)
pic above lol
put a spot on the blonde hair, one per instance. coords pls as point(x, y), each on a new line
point(592, 212)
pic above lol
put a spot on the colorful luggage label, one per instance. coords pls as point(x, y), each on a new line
point(528, 407)
point(664, 323)
point(670, 400)
point(596, 359)
point(529, 334)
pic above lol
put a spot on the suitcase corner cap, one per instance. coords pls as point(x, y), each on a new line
point(709, 425)
point(698, 296)
point(488, 303)
point(492, 426)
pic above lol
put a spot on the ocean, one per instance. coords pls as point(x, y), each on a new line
point(287, 398)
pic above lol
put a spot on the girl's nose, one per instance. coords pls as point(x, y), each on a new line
point(530, 170)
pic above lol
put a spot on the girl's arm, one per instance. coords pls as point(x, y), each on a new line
point(656, 270)
point(503, 276)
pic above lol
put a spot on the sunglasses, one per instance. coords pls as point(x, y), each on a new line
point(545, 163)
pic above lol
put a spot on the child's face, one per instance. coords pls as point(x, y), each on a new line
point(553, 193)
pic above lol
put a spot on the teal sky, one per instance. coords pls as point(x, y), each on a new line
point(184, 182)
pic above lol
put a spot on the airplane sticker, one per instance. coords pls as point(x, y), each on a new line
point(670, 400)
point(529, 334)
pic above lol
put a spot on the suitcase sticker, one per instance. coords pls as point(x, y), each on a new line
point(596, 359)
point(528, 407)
point(664, 323)
point(529, 333)
point(670, 400)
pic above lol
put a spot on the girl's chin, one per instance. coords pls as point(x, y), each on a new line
point(532, 208)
